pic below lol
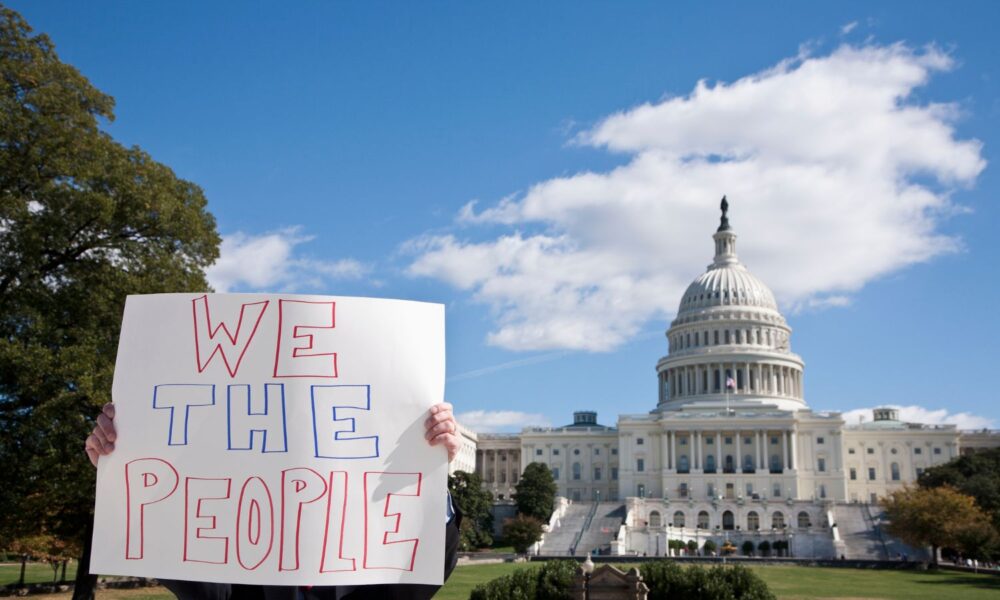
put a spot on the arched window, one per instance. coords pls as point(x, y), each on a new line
point(576, 471)
point(747, 463)
point(678, 519)
point(682, 464)
point(803, 520)
point(895, 471)
point(703, 520)
point(753, 521)
point(729, 464)
point(654, 519)
point(778, 520)
point(728, 521)
point(710, 463)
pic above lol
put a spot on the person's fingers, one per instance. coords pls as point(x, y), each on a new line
point(451, 442)
point(441, 406)
point(439, 417)
point(91, 454)
point(101, 436)
point(95, 447)
point(448, 426)
point(109, 410)
point(107, 427)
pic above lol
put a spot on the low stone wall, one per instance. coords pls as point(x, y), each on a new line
point(749, 560)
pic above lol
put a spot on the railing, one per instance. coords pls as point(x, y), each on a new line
point(870, 523)
point(586, 526)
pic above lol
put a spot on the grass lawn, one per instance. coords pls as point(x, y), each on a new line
point(787, 582)
point(793, 583)
point(34, 573)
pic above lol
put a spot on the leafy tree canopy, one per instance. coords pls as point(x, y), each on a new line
point(522, 531)
point(475, 503)
point(977, 475)
point(939, 517)
point(84, 221)
point(536, 492)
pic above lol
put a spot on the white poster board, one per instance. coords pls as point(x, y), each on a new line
point(275, 439)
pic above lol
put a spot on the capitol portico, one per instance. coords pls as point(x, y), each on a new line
point(731, 450)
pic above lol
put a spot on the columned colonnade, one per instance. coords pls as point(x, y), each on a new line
point(750, 377)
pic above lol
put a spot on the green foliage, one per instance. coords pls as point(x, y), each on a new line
point(521, 532)
point(780, 547)
point(764, 548)
point(553, 581)
point(84, 221)
point(536, 492)
point(692, 546)
point(748, 548)
point(477, 521)
point(667, 580)
point(976, 475)
point(709, 547)
point(940, 517)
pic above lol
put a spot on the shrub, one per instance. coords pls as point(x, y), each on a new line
point(522, 532)
point(553, 581)
point(692, 546)
point(668, 580)
point(747, 548)
point(709, 547)
point(765, 548)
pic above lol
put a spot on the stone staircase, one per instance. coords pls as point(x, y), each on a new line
point(585, 527)
point(862, 536)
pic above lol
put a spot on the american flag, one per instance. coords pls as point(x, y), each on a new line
point(730, 383)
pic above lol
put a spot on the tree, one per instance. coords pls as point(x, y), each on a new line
point(522, 531)
point(475, 503)
point(976, 474)
point(764, 548)
point(709, 547)
point(748, 548)
point(937, 517)
point(536, 493)
point(84, 222)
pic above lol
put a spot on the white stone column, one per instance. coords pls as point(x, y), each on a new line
point(793, 457)
point(784, 451)
point(673, 450)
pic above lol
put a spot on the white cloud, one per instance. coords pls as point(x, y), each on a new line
point(848, 28)
point(919, 414)
point(836, 176)
point(486, 421)
point(270, 262)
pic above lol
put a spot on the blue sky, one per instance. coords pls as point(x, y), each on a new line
point(552, 174)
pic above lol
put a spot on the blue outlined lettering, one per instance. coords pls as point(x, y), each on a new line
point(332, 430)
point(171, 396)
point(249, 420)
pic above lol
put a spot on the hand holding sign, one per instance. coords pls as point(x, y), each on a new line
point(275, 440)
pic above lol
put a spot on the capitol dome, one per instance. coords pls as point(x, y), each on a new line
point(729, 342)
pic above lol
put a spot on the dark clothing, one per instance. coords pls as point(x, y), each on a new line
point(199, 590)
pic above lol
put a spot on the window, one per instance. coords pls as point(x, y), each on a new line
point(850, 450)
point(746, 441)
point(576, 452)
point(937, 451)
point(654, 519)
point(576, 471)
point(555, 452)
point(854, 474)
point(775, 464)
point(716, 336)
point(597, 451)
point(682, 491)
point(893, 451)
point(803, 520)
point(776, 490)
point(778, 520)
point(709, 441)
point(727, 336)
point(710, 490)
point(871, 473)
point(684, 441)
point(821, 465)
point(555, 472)
point(894, 471)
point(639, 441)
point(753, 521)
point(678, 519)
point(871, 450)
point(640, 465)
point(682, 464)
point(729, 440)
point(918, 451)
point(749, 490)
point(538, 452)
point(703, 520)
point(710, 463)
point(774, 440)
point(822, 491)
point(614, 452)
point(819, 440)
point(640, 490)
point(704, 338)
point(614, 473)
point(597, 473)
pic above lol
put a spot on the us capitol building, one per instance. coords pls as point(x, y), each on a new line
point(731, 451)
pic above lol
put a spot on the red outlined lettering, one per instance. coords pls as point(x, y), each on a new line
point(205, 333)
point(336, 514)
point(147, 481)
point(254, 524)
point(295, 318)
point(387, 553)
point(299, 486)
point(199, 547)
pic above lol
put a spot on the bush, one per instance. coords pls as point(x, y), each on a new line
point(709, 547)
point(765, 548)
point(522, 532)
point(747, 548)
point(692, 546)
point(668, 580)
point(553, 581)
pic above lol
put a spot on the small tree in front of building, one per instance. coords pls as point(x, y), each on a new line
point(748, 548)
point(521, 532)
point(764, 548)
point(692, 547)
point(938, 517)
point(536, 493)
point(709, 547)
point(469, 496)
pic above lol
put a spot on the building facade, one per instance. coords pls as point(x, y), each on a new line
point(731, 448)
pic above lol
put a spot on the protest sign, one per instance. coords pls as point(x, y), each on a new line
point(275, 439)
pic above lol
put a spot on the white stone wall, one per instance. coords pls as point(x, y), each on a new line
point(870, 451)
point(466, 458)
point(584, 461)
